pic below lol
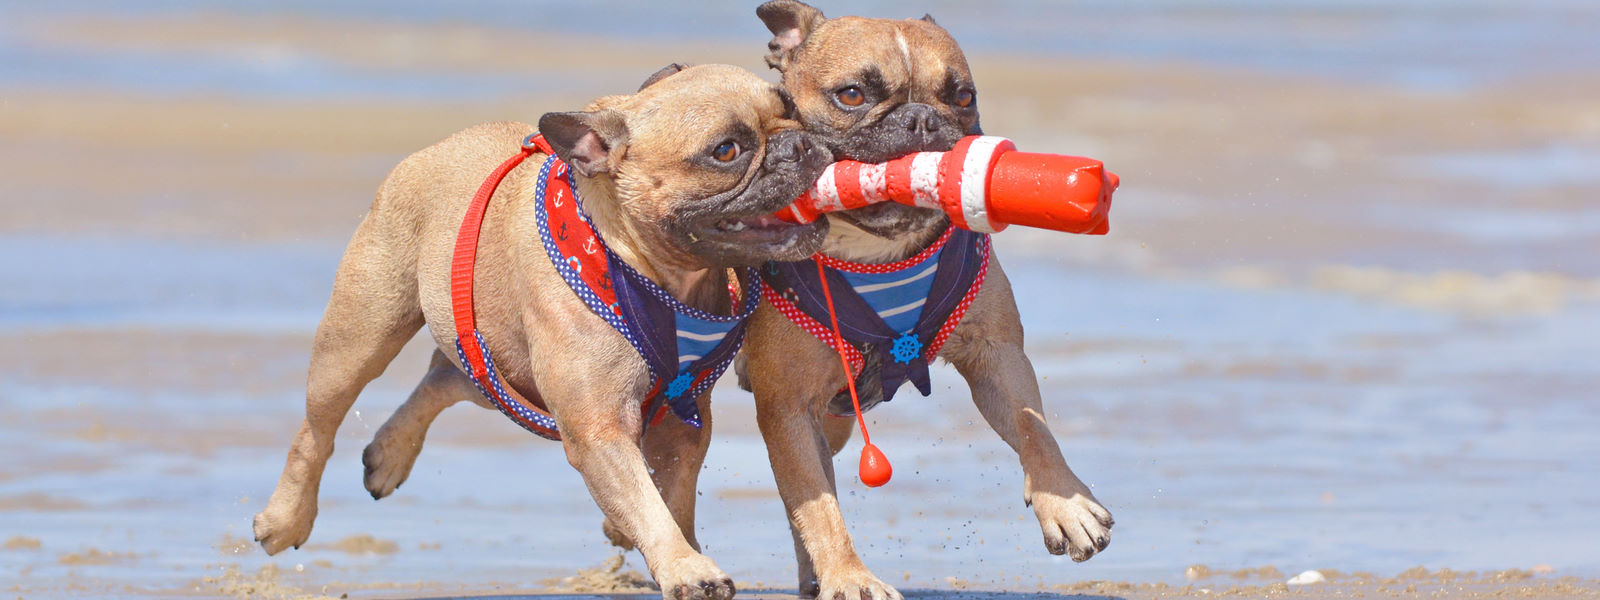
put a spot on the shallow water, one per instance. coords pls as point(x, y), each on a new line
point(1382, 356)
point(1516, 169)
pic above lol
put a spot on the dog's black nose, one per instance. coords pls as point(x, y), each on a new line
point(922, 120)
point(788, 147)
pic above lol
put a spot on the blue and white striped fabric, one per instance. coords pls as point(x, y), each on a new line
point(698, 337)
point(898, 296)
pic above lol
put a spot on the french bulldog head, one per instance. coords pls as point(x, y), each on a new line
point(697, 161)
point(874, 90)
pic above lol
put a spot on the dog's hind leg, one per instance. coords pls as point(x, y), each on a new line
point(801, 441)
point(372, 313)
point(393, 451)
point(987, 349)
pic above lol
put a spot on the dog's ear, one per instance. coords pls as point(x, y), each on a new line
point(790, 22)
point(591, 142)
point(929, 18)
point(664, 73)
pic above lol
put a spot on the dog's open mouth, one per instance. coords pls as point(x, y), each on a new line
point(755, 239)
point(754, 231)
point(757, 225)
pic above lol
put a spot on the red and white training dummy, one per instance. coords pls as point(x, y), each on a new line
point(984, 184)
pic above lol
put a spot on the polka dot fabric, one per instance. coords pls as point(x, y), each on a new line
point(966, 302)
point(591, 282)
point(591, 266)
point(790, 310)
point(885, 268)
point(529, 417)
point(811, 326)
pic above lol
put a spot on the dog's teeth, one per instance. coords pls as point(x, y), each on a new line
point(735, 225)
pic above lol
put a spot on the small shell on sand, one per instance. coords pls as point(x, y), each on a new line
point(1307, 577)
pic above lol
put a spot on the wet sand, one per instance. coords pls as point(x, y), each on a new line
point(1338, 326)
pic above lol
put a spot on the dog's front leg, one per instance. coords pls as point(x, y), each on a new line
point(987, 350)
point(802, 464)
point(837, 431)
point(675, 451)
point(601, 431)
point(789, 407)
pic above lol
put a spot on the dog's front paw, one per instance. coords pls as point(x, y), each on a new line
point(1076, 526)
point(858, 585)
point(693, 577)
point(388, 460)
point(284, 524)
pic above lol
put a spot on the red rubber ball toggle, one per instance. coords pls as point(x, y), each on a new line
point(875, 469)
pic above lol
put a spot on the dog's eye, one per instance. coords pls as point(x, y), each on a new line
point(726, 151)
point(964, 98)
point(850, 96)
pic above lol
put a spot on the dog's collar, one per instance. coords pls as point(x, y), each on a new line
point(903, 311)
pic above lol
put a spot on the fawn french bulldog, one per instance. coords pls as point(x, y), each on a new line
point(677, 182)
point(909, 289)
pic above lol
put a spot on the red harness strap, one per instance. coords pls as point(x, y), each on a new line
point(461, 273)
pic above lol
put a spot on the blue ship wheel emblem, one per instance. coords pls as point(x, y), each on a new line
point(680, 384)
point(906, 348)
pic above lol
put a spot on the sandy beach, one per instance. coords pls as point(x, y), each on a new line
point(1345, 320)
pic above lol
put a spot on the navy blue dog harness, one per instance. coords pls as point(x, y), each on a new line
point(895, 315)
point(686, 349)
